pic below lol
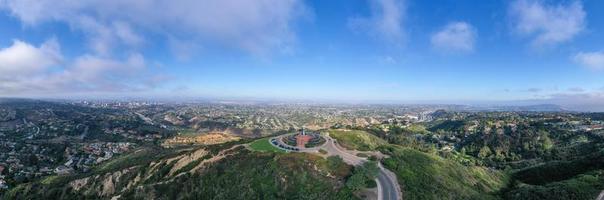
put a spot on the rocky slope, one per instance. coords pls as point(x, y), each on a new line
point(224, 171)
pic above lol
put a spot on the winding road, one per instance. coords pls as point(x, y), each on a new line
point(387, 184)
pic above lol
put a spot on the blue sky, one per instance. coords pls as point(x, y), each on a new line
point(449, 51)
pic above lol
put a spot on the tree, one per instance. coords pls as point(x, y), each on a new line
point(484, 152)
point(334, 162)
point(546, 141)
point(370, 169)
point(356, 181)
point(33, 159)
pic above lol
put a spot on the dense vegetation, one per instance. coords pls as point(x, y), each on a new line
point(363, 176)
point(584, 186)
point(581, 178)
point(560, 170)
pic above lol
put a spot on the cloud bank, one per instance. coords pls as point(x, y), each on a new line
point(29, 70)
point(116, 31)
point(254, 26)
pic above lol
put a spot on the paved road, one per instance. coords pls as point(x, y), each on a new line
point(332, 149)
point(601, 196)
point(388, 188)
point(386, 181)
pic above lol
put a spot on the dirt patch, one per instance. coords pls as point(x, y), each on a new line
point(367, 194)
point(186, 159)
point(205, 139)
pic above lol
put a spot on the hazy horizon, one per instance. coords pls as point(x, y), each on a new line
point(235, 100)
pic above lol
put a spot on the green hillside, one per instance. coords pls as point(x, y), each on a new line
point(581, 187)
point(426, 176)
point(582, 178)
point(356, 139)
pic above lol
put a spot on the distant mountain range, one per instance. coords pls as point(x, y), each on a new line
point(527, 108)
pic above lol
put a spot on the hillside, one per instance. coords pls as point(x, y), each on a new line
point(582, 178)
point(227, 171)
point(426, 176)
point(356, 139)
point(585, 186)
point(63, 151)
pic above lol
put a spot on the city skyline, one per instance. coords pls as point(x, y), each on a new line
point(401, 51)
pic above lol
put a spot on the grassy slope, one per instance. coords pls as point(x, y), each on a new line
point(426, 176)
point(355, 139)
point(417, 128)
point(264, 145)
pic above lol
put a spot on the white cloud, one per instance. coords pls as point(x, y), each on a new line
point(30, 70)
point(95, 73)
point(88, 69)
point(114, 29)
point(126, 34)
point(256, 26)
point(21, 59)
point(593, 60)
point(385, 22)
point(547, 24)
point(455, 36)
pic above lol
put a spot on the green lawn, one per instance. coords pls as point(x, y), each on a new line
point(264, 145)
